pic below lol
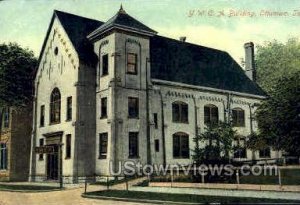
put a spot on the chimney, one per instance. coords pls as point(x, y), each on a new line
point(249, 61)
point(182, 38)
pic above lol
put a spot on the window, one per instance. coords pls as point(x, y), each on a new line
point(238, 117)
point(56, 51)
point(102, 145)
point(69, 108)
point(180, 112)
point(68, 146)
point(105, 64)
point(55, 106)
point(5, 118)
point(155, 120)
point(181, 145)
point(156, 143)
point(3, 156)
point(133, 145)
point(131, 63)
point(41, 156)
point(265, 153)
point(133, 107)
point(211, 114)
point(240, 149)
point(42, 116)
point(103, 107)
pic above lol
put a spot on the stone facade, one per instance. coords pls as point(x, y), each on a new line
point(62, 68)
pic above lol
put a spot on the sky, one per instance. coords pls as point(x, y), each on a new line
point(222, 24)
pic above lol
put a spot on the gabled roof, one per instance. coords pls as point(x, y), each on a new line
point(125, 21)
point(77, 28)
point(177, 61)
point(171, 60)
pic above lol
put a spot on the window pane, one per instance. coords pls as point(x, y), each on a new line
point(176, 146)
point(214, 115)
point(133, 144)
point(69, 108)
point(184, 113)
point(133, 107)
point(105, 64)
point(185, 147)
point(155, 120)
point(156, 145)
point(206, 115)
point(131, 63)
point(42, 117)
point(103, 145)
point(68, 146)
point(55, 106)
point(103, 107)
point(175, 112)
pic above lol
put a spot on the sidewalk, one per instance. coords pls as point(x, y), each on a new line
point(221, 192)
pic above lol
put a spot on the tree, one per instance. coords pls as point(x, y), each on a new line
point(217, 140)
point(275, 59)
point(17, 67)
point(279, 116)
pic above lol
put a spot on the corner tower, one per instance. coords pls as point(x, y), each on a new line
point(122, 45)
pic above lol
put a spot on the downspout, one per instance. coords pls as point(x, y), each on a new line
point(33, 137)
point(149, 160)
point(163, 129)
point(251, 128)
point(196, 117)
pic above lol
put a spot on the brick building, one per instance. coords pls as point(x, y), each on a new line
point(15, 136)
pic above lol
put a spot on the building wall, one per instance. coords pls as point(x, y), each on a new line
point(56, 71)
point(17, 138)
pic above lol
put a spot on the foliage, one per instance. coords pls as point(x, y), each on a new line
point(256, 142)
point(16, 75)
point(279, 116)
point(217, 140)
point(275, 59)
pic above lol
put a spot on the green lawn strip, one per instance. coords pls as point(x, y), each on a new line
point(184, 197)
point(26, 187)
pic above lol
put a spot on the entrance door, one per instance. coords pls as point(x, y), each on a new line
point(52, 164)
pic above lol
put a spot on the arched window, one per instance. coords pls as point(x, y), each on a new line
point(181, 145)
point(180, 112)
point(211, 114)
point(238, 117)
point(55, 100)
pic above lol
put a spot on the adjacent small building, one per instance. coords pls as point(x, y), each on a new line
point(15, 143)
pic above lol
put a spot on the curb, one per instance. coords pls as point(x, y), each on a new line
point(30, 191)
point(138, 200)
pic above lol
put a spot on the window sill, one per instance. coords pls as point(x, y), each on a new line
point(131, 73)
point(103, 117)
point(67, 158)
point(68, 120)
point(42, 126)
point(102, 157)
point(133, 157)
point(181, 157)
point(136, 118)
point(103, 75)
point(41, 159)
point(54, 123)
point(180, 122)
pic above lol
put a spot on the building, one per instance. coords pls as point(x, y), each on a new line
point(15, 136)
point(107, 92)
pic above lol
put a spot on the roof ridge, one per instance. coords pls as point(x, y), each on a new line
point(192, 44)
point(63, 12)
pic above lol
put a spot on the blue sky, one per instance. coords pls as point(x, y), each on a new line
point(26, 21)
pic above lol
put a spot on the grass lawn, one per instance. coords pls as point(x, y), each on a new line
point(288, 177)
point(185, 197)
point(26, 187)
point(114, 181)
